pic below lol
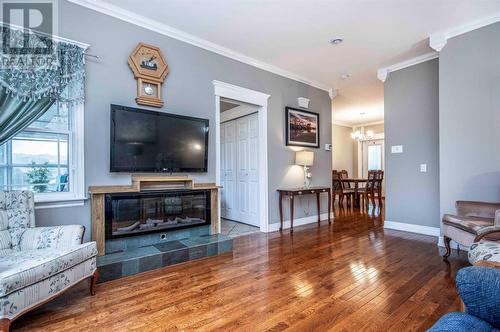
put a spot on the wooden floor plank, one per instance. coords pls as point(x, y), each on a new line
point(349, 276)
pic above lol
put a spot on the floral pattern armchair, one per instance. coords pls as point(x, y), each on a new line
point(37, 263)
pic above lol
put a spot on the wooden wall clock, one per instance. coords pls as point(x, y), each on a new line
point(150, 70)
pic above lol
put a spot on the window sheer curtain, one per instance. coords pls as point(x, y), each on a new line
point(29, 88)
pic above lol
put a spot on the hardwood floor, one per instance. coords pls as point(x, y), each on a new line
point(349, 276)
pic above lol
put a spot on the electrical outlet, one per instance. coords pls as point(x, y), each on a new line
point(423, 168)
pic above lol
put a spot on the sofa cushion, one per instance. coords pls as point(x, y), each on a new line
point(484, 251)
point(468, 224)
point(479, 288)
point(51, 237)
point(460, 322)
point(23, 268)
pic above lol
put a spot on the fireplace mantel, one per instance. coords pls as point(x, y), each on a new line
point(146, 184)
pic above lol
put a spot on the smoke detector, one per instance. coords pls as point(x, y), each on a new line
point(336, 41)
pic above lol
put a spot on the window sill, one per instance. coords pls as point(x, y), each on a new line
point(58, 202)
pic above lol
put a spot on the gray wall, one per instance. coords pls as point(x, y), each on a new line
point(469, 131)
point(343, 148)
point(187, 90)
point(411, 119)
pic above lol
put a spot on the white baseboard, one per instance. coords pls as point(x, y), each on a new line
point(412, 228)
point(298, 222)
point(453, 244)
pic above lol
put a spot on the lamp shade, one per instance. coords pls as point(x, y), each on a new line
point(304, 158)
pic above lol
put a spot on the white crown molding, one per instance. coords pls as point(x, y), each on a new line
point(368, 124)
point(332, 93)
point(142, 21)
point(437, 41)
point(341, 123)
point(383, 73)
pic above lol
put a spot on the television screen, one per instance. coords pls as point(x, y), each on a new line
point(149, 141)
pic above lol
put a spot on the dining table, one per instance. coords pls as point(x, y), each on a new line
point(356, 182)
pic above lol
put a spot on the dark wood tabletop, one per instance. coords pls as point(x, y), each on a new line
point(292, 192)
point(304, 190)
point(354, 180)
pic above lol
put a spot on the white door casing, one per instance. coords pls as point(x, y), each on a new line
point(225, 90)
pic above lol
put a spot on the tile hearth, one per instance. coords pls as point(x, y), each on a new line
point(136, 260)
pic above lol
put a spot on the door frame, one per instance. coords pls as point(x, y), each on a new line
point(226, 90)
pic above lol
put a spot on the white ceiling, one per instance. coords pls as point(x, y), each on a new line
point(294, 35)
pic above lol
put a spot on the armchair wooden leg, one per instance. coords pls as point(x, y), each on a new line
point(4, 325)
point(93, 281)
point(447, 246)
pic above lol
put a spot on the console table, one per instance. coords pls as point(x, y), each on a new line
point(299, 192)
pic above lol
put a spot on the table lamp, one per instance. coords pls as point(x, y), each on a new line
point(306, 159)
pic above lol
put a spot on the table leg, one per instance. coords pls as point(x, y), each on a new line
point(329, 205)
point(281, 210)
point(356, 196)
point(319, 209)
point(292, 198)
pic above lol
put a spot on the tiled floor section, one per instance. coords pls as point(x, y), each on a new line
point(234, 229)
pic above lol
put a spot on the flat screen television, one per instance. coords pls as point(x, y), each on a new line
point(150, 141)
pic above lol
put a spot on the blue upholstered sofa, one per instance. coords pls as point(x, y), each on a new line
point(479, 288)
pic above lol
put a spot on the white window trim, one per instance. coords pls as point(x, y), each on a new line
point(77, 196)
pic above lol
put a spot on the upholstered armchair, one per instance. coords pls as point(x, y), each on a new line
point(471, 220)
point(37, 263)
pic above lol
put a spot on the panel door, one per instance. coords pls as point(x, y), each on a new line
point(242, 129)
point(228, 173)
point(241, 170)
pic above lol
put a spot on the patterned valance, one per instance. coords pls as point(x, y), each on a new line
point(35, 66)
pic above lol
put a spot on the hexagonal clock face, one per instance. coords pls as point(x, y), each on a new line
point(147, 61)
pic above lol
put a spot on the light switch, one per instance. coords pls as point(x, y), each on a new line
point(328, 147)
point(397, 149)
point(423, 168)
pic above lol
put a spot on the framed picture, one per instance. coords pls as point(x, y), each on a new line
point(302, 128)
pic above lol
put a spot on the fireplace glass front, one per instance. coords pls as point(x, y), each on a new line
point(134, 214)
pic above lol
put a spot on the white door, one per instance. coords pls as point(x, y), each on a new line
point(373, 157)
point(240, 176)
point(228, 170)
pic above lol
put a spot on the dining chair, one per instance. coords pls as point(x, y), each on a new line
point(345, 175)
point(338, 189)
point(377, 186)
point(366, 191)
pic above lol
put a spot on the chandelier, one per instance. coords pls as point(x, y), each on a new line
point(360, 134)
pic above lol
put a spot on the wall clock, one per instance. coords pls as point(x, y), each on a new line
point(150, 70)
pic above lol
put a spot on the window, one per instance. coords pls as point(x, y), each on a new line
point(374, 157)
point(47, 156)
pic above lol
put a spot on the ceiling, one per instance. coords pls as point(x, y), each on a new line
point(294, 35)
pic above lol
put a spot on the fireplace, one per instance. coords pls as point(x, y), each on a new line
point(160, 211)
